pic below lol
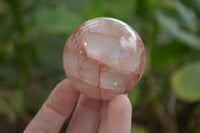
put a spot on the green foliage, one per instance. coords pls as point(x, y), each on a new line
point(134, 95)
point(5, 109)
point(187, 18)
point(12, 103)
point(186, 82)
point(33, 34)
point(138, 129)
point(165, 59)
point(58, 20)
point(172, 28)
point(111, 8)
point(114, 8)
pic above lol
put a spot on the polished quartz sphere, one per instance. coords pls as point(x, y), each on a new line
point(104, 57)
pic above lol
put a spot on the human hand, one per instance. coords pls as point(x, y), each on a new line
point(115, 114)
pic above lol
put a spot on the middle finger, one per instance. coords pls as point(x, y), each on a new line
point(86, 116)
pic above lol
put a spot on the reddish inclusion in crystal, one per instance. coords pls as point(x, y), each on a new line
point(104, 57)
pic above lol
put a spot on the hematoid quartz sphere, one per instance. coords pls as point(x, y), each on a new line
point(104, 57)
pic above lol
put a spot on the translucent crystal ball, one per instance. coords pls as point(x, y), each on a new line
point(104, 57)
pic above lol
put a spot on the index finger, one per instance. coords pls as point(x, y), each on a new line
point(55, 110)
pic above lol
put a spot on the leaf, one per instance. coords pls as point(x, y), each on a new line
point(186, 16)
point(119, 9)
point(48, 49)
point(6, 110)
point(138, 129)
point(186, 82)
point(78, 5)
point(94, 9)
point(18, 101)
point(134, 95)
point(172, 28)
point(193, 4)
point(7, 72)
point(3, 106)
point(148, 61)
point(58, 20)
point(146, 7)
point(170, 54)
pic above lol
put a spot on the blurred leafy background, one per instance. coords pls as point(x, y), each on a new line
point(33, 34)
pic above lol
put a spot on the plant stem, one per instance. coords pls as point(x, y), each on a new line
point(20, 42)
point(157, 107)
point(194, 121)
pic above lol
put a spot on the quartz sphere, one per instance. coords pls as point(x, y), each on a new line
point(104, 57)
